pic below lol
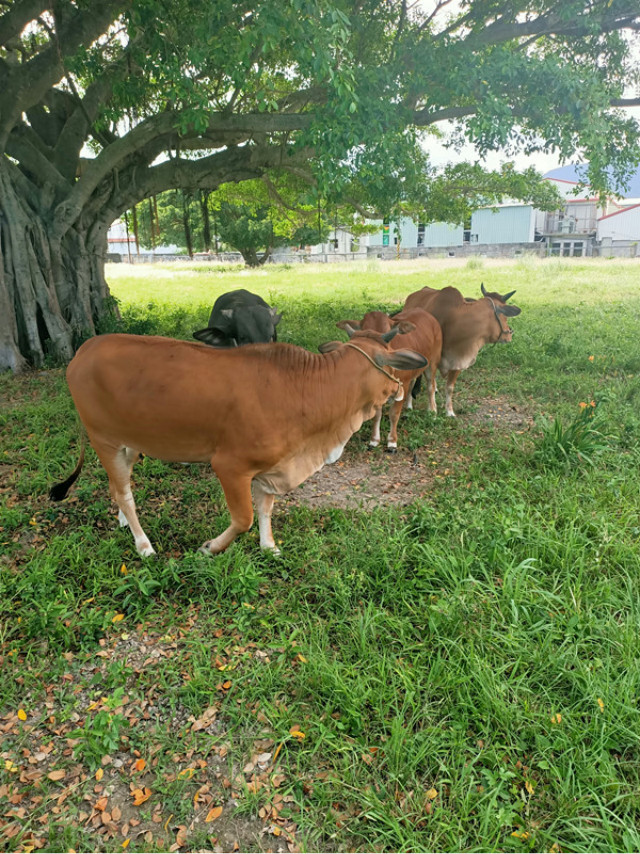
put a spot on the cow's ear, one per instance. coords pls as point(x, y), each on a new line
point(403, 360)
point(508, 310)
point(227, 312)
point(329, 346)
point(405, 326)
point(275, 316)
point(349, 326)
point(212, 336)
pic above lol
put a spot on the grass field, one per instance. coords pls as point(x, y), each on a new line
point(455, 672)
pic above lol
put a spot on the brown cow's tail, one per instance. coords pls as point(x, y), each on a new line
point(59, 490)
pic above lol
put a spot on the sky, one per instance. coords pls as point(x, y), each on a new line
point(544, 162)
point(440, 156)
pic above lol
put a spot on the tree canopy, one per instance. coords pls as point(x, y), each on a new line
point(104, 103)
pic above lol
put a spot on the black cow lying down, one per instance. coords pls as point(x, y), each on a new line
point(238, 318)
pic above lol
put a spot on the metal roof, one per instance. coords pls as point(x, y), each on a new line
point(574, 172)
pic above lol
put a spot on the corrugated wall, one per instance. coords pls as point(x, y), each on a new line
point(436, 234)
point(622, 226)
point(513, 224)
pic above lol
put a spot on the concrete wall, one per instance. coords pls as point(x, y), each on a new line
point(466, 250)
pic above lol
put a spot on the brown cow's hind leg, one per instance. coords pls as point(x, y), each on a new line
point(131, 458)
point(433, 388)
point(237, 491)
point(394, 417)
point(452, 376)
point(264, 507)
point(118, 463)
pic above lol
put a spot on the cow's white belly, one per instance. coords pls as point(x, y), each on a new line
point(295, 469)
point(457, 362)
point(334, 455)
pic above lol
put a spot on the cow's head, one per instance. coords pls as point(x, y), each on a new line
point(501, 311)
point(252, 324)
point(375, 321)
point(374, 346)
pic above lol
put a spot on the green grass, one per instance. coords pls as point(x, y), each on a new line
point(464, 668)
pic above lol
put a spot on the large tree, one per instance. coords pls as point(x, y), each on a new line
point(104, 103)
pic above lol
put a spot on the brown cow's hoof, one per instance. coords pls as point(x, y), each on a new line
point(392, 450)
point(144, 548)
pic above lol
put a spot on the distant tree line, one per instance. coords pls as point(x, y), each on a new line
point(252, 218)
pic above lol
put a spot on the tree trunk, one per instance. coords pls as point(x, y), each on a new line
point(52, 290)
point(252, 259)
point(187, 225)
point(206, 226)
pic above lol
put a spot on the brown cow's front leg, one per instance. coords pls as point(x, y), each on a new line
point(452, 376)
point(374, 441)
point(264, 507)
point(237, 491)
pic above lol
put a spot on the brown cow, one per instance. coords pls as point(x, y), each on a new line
point(267, 415)
point(420, 333)
point(467, 325)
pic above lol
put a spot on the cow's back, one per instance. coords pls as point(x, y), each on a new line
point(169, 399)
point(442, 304)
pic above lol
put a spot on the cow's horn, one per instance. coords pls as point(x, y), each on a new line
point(508, 296)
point(387, 336)
point(484, 293)
point(349, 326)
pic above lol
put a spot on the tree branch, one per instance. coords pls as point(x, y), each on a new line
point(162, 126)
point(22, 146)
point(580, 26)
point(231, 165)
point(625, 102)
point(13, 22)
point(26, 85)
point(78, 125)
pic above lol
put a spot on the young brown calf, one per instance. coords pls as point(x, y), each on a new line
point(420, 332)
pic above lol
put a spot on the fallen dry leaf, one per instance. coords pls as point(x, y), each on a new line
point(213, 814)
point(140, 796)
point(58, 774)
point(186, 773)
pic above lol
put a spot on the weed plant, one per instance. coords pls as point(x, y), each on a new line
point(580, 442)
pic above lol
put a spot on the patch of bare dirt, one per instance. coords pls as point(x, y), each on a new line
point(372, 478)
point(503, 414)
